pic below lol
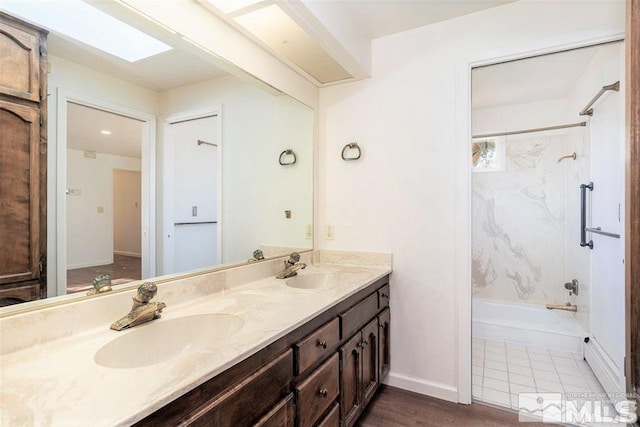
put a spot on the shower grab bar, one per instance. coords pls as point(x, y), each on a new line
point(195, 223)
point(587, 110)
point(598, 230)
point(583, 215)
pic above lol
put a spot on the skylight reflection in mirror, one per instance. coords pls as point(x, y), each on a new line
point(86, 24)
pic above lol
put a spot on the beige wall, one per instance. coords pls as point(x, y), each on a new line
point(127, 193)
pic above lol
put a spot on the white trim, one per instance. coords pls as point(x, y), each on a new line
point(168, 179)
point(89, 264)
point(463, 135)
point(148, 181)
point(437, 390)
point(125, 253)
point(610, 376)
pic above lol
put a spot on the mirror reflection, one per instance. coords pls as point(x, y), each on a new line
point(167, 164)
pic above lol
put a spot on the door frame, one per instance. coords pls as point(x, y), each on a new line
point(632, 207)
point(168, 179)
point(148, 210)
point(462, 150)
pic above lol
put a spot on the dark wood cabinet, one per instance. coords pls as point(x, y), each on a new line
point(316, 375)
point(370, 367)
point(22, 161)
point(360, 371)
point(283, 415)
point(384, 342)
point(318, 391)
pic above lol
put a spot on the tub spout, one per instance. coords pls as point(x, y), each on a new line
point(567, 307)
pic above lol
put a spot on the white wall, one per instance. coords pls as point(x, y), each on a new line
point(90, 232)
point(257, 126)
point(402, 195)
point(78, 79)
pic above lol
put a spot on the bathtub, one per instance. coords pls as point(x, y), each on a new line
point(527, 324)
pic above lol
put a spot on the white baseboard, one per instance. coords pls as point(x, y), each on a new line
point(429, 388)
point(89, 264)
point(610, 376)
point(125, 253)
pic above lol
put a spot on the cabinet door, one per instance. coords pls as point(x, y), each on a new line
point(20, 53)
point(370, 367)
point(384, 347)
point(19, 193)
point(350, 379)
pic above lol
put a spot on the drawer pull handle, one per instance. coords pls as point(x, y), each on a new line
point(383, 325)
point(365, 342)
point(323, 392)
point(322, 344)
point(383, 295)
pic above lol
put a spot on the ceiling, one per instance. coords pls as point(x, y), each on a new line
point(329, 41)
point(83, 132)
point(159, 73)
point(534, 79)
point(379, 18)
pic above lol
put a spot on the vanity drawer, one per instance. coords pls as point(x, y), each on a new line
point(383, 297)
point(332, 419)
point(359, 315)
point(316, 346)
point(242, 404)
point(283, 415)
point(318, 392)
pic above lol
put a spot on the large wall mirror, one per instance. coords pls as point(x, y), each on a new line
point(166, 161)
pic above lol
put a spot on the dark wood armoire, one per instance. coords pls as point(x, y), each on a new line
point(23, 161)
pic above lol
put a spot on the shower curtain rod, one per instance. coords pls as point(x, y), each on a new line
point(517, 132)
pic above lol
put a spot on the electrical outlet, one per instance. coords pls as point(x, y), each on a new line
point(309, 234)
point(330, 233)
point(194, 211)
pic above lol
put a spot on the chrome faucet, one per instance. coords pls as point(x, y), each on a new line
point(291, 266)
point(142, 310)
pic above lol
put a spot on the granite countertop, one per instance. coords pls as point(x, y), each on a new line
point(60, 383)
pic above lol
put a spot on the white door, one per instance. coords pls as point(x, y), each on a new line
point(192, 205)
point(606, 350)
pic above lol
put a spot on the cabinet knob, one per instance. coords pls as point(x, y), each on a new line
point(323, 392)
point(322, 344)
point(365, 342)
point(383, 295)
point(383, 325)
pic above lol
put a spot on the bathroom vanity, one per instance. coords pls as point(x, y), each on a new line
point(342, 352)
point(233, 347)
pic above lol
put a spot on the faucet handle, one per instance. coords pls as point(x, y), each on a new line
point(294, 257)
point(146, 292)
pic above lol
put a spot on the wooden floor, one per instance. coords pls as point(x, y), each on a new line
point(123, 267)
point(395, 407)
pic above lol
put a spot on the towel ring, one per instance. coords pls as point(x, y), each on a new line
point(351, 146)
point(287, 152)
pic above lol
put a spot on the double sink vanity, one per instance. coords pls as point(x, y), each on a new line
point(232, 347)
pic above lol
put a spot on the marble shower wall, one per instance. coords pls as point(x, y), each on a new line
point(519, 222)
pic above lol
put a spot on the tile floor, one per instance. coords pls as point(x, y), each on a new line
point(502, 370)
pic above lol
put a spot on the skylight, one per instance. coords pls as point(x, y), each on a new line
point(230, 6)
point(82, 22)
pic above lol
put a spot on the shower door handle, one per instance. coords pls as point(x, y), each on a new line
point(583, 215)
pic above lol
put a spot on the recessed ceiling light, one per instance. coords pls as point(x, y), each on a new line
point(230, 6)
point(84, 23)
point(105, 132)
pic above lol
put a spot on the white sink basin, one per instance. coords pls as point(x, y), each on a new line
point(159, 341)
point(311, 280)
